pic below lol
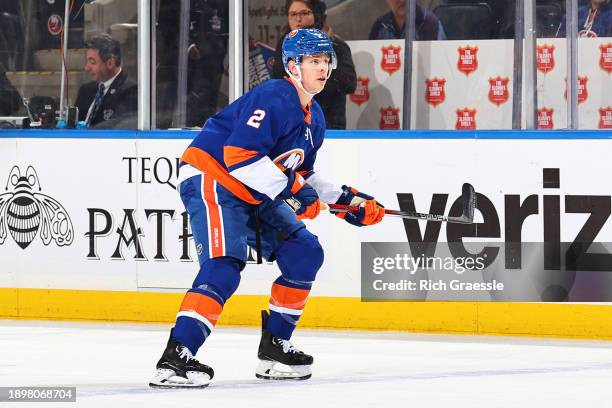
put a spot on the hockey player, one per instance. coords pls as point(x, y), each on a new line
point(234, 181)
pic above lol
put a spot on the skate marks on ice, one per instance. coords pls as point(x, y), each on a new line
point(97, 390)
point(394, 361)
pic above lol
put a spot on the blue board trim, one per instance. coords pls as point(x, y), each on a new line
point(331, 134)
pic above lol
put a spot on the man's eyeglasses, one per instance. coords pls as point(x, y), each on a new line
point(301, 14)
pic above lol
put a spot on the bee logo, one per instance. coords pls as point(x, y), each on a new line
point(24, 212)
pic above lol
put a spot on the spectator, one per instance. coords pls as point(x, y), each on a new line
point(207, 48)
point(10, 100)
point(343, 80)
point(594, 20)
point(11, 35)
point(393, 24)
point(111, 99)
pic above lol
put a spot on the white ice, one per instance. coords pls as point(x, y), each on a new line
point(110, 364)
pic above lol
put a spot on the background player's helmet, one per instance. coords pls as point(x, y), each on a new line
point(305, 42)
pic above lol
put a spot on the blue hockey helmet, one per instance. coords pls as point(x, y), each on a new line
point(306, 42)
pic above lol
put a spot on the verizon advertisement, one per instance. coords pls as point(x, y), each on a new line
point(467, 85)
point(105, 214)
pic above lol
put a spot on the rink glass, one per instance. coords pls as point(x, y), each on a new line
point(465, 82)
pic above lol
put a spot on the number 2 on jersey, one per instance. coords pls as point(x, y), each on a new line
point(256, 119)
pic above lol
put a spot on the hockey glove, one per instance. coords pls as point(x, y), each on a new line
point(370, 211)
point(300, 196)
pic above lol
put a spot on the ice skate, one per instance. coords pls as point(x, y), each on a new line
point(177, 368)
point(279, 359)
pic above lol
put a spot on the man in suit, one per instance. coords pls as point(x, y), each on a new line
point(111, 99)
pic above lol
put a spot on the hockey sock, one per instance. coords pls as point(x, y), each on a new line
point(216, 282)
point(196, 318)
point(286, 305)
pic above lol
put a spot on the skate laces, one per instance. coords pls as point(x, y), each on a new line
point(184, 353)
point(287, 346)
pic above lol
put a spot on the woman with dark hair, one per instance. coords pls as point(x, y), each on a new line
point(594, 20)
point(343, 80)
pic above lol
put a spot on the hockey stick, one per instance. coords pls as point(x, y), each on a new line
point(468, 201)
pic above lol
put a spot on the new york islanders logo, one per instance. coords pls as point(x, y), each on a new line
point(24, 212)
point(290, 160)
point(55, 24)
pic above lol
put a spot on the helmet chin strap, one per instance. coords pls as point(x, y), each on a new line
point(299, 80)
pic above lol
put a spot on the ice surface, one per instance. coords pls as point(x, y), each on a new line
point(111, 364)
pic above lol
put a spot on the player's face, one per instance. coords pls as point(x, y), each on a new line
point(300, 16)
point(314, 72)
point(100, 71)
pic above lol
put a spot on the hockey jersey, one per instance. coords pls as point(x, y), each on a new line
point(247, 146)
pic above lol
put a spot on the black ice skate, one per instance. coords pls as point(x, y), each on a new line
point(279, 359)
point(177, 368)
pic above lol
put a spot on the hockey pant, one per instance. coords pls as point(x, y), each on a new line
point(223, 226)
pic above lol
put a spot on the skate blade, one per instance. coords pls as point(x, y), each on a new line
point(273, 370)
point(165, 378)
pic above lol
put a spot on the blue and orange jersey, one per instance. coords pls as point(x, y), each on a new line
point(247, 146)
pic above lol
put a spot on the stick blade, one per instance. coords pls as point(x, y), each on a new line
point(468, 197)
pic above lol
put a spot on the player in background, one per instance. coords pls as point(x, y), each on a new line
point(236, 180)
